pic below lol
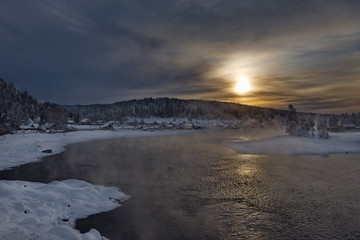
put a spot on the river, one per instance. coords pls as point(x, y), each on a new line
point(192, 187)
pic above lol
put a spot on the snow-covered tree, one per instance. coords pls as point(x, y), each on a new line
point(299, 126)
point(54, 114)
point(292, 121)
point(322, 126)
point(306, 124)
point(16, 107)
point(334, 122)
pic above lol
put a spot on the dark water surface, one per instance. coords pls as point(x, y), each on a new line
point(191, 187)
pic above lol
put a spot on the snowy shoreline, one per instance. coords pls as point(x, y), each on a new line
point(30, 210)
point(21, 148)
point(337, 143)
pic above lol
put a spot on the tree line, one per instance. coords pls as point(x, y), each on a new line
point(169, 108)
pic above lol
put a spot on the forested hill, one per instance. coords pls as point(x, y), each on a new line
point(171, 107)
point(16, 106)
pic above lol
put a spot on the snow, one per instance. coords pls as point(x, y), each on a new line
point(21, 148)
point(338, 143)
point(169, 123)
point(31, 210)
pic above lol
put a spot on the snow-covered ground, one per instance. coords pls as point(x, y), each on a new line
point(338, 143)
point(154, 123)
point(39, 211)
point(48, 211)
point(21, 148)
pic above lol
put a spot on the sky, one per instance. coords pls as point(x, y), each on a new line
point(305, 53)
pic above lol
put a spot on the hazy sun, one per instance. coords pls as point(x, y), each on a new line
point(242, 85)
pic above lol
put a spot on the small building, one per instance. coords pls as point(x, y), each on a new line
point(29, 125)
point(349, 126)
point(170, 125)
point(85, 121)
point(150, 127)
point(108, 126)
point(187, 125)
point(333, 129)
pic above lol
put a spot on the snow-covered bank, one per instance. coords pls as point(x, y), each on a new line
point(40, 211)
point(338, 143)
point(20, 148)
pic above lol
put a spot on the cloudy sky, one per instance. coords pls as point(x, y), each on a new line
point(305, 53)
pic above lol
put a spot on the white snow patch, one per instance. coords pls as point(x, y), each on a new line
point(338, 143)
point(17, 149)
point(31, 210)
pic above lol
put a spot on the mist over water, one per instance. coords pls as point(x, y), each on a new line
point(192, 187)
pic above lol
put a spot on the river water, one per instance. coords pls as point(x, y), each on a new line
point(192, 187)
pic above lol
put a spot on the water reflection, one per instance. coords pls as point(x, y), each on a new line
point(248, 165)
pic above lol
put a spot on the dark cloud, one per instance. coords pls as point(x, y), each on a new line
point(104, 51)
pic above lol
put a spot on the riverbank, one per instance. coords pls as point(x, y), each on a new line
point(31, 210)
point(22, 148)
point(337, 143)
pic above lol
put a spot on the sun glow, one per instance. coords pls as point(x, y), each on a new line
point(242, 85)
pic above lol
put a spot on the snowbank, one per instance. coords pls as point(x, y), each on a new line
point(25, 147)
point(338, 143)
point(48, 211)
point(39, 211)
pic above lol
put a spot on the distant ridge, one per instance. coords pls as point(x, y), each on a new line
point(171, 107)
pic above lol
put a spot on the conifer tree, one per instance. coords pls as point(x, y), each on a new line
point(292, 121)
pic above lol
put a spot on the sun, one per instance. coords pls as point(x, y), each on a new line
point(242, 85)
